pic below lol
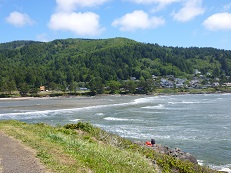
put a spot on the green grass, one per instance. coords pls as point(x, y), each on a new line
point(83, 148)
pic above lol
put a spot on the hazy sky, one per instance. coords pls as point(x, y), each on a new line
point(183, 23)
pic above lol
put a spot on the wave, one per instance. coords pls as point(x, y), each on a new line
point(99, 114)
point(185, 102)
point(162, 107)
point(127, 131)
point(159, 106)
point(144, 100)
point(117, 119)
point(147, 112)
point(161, 137)
point(225, 168)
point(200, 162)
point(149, 99)
point(25, 115)
point(39, 114)
point(75, 120)
point(224, 94)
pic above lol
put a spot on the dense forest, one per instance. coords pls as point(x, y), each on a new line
point(99, 63)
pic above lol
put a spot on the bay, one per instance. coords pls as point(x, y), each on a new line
point(198, 124)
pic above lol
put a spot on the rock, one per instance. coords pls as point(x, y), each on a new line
point(177, 153)
point(182, 155)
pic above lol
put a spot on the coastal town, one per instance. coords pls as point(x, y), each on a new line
point(197, 82)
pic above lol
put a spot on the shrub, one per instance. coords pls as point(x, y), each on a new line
point(87, 127)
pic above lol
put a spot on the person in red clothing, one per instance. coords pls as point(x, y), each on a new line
point(151, 144)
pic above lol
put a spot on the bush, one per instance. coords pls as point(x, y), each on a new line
point(87, 127)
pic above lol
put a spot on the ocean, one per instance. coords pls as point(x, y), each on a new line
point(199, 124)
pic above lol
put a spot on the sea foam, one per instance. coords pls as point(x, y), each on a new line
point(75, 120)
point(159, 106)
point(116, 119)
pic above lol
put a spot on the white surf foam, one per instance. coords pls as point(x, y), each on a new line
point(99, 114)
point(200, 162)
point(159, 106)
point(75, 120)
point(146, 99)
point(116, 119)
point(226, 94)
point(184, 102)
point(25, 115)
point(40, 114)
point(225, 168)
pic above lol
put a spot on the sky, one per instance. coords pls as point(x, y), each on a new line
point(182, 23)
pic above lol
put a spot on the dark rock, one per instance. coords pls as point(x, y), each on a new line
point(182, 155)
point(177, 153)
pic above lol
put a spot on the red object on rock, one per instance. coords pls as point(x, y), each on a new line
point(148, 143)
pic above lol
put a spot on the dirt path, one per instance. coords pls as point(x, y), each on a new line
point(15, 158)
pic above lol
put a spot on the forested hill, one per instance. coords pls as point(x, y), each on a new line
point(15, 44)
point(61, 63)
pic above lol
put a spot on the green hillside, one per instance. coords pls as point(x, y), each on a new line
point(99, 63)
point(81, 148)
point(16, 44)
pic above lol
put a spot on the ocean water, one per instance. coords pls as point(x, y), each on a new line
point(198, 124)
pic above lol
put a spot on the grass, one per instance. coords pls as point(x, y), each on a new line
point(83, 148)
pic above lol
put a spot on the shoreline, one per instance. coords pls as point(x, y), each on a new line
point(71, 95)
point(99, 95)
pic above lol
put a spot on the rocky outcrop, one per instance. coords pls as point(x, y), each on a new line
point(176, 152)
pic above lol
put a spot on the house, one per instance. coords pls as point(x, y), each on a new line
point(42, 88)
point(227, 84)
point(208, 74)
point(215, 84)
point(166, 83)
point(83, 89)
point(196, 71)
point(195, 83)
point(133, 78)
point(154, 77)
point(179, 82)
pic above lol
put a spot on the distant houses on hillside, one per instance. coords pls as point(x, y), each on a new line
point(196, 83)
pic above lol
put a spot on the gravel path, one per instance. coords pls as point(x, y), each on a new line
point(15, 158)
